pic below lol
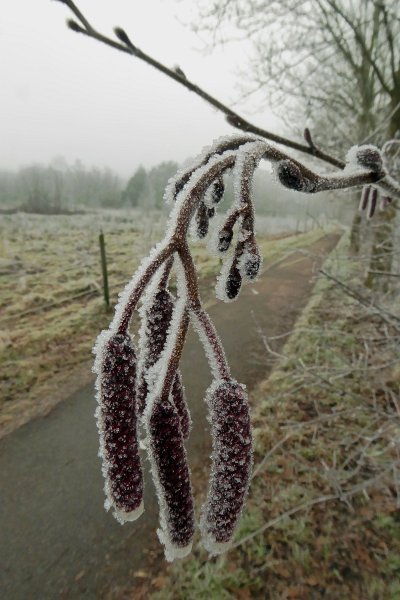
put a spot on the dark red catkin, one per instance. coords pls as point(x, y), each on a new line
point(364, 197)
point(171, 476)
point(217, 190)
point(229, 280)
point(231, 464)
point(385, 201)
point(225, 236)
point(117, 424)
point(233, 281)
point(202, 220)
point(372, 203)
point(250, 260)
point(156, 322)
point(370, 158)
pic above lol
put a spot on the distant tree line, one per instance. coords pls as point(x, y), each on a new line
point(60, 187)
point(146, 188)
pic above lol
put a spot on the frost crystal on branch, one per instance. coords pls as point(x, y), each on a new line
point(179, 400)
point(195, 194)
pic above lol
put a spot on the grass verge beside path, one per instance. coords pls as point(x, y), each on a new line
point(322, 519)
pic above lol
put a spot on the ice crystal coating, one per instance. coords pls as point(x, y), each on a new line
point(117, 424)
point(364, 157)
point(211, 212)
point(209, 340)
point(231, 464)
point(180, 403)
point(172, 479)
point(246, 163)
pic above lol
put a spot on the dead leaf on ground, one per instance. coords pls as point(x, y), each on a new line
point(141, 574)
point(159, 582)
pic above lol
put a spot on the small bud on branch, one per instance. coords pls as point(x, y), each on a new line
point(202, 220)
point(75, 26)
point(218, 190)
point(234, 281)
point(123, 37)
point(370, 158)
point(291, 176)
point(308, 138)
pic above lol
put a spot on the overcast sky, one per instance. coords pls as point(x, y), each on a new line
point(64, 94)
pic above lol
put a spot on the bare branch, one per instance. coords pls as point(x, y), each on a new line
point(232, 117)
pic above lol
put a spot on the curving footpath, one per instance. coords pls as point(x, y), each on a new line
point(56, 540)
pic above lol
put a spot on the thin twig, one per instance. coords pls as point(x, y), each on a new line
point(310, 503)
point(232, 117)
point(378, 310)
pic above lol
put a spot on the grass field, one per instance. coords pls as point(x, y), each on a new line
point(51, 305)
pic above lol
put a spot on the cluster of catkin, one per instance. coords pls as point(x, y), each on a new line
point(143, 385)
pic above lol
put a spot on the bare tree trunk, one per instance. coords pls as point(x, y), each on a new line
point(384, 227)
point(355, 232)
point(382, 249)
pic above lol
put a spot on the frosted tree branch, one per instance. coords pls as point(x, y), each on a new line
point(143, 385)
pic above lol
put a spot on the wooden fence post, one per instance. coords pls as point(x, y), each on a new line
point(104, 269)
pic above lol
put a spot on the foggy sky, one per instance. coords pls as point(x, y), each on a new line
point(64, 94)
